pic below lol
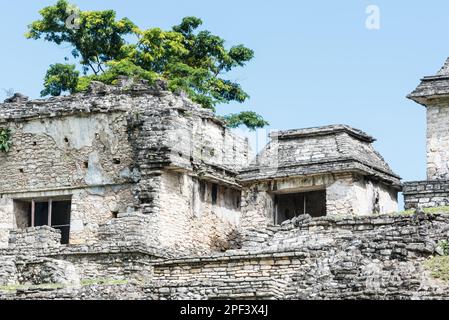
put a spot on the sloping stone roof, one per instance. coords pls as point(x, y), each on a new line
point(320, 150)
point(432, 87)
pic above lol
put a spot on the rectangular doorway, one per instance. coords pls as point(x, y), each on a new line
point(44, 212)
point(288, 206)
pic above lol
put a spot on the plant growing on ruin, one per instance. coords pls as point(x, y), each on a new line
point(5, 140)
point(438, 267)
point(444, 246)
point(248, 118)
point(194, 61)
point(60, 78)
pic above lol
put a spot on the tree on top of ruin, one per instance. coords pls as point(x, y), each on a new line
point(190, 60)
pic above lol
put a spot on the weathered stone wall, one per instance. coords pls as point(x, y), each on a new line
point(35, 256)
point(67, 152)
point(108, 150)
point(90, 207)
point(87, 159)
point(345, 193)
point(364, 195)
point(191, 220)
point(426, 194)
point(326, 258)
point(34, 240)
point(437, 141)
point(376, 257)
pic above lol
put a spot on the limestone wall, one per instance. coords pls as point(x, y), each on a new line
point(373, 257)
point(437, 142)
point(326, 258)
point(87, 159)
point(426, 194)
point(345, 193)
point(90, 207)
point(360, 196)
point(191, 219)
point(67, 152)
point(201, 140)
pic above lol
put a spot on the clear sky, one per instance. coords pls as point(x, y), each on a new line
point(316, 63)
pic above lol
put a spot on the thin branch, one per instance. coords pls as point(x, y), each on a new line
point(92, 67)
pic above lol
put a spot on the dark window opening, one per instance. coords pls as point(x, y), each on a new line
point(214, 193)
point(289, 206)
point(237, 201)
point(48, 212)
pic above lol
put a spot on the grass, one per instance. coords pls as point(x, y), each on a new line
point(438, 267)
point(112, 282)
point(56, 286)
point(444, 209)
point(47, 286)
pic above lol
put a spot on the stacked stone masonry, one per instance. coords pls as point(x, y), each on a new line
point(378, 257)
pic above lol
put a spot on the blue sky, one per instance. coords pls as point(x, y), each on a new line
point(315, 63)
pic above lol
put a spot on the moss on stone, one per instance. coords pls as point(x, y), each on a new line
point(438, 267)
point(434, 210)
point(47, 286)
point(90, 282)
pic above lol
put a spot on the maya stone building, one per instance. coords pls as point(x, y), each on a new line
point(317, 171)
point(433, 94)
point(133, 192)
point(80, 161)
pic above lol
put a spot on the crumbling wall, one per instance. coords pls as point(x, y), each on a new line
point(437, 142)
point(85, 158)
point(8, 270)
point(94, 207)
point(358, 195)
point(257, 205)
point(372, 257)
point(67, 152)
point(35, 256)
point(205, 141)
point(325, 258)
point(346, 193)
point(191, 219)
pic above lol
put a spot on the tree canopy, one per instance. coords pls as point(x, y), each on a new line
point(192, 60)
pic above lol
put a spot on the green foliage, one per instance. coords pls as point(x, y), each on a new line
point(190, 60)
point(97, 38)
point(5, 140)
point(444, 246)
point(249, 119)
point(435, 210)
point(438, 267)
point(47, 286)
point(60, 78)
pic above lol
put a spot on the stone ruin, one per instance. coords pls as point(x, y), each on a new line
point(133, 192)
point(433, 93)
